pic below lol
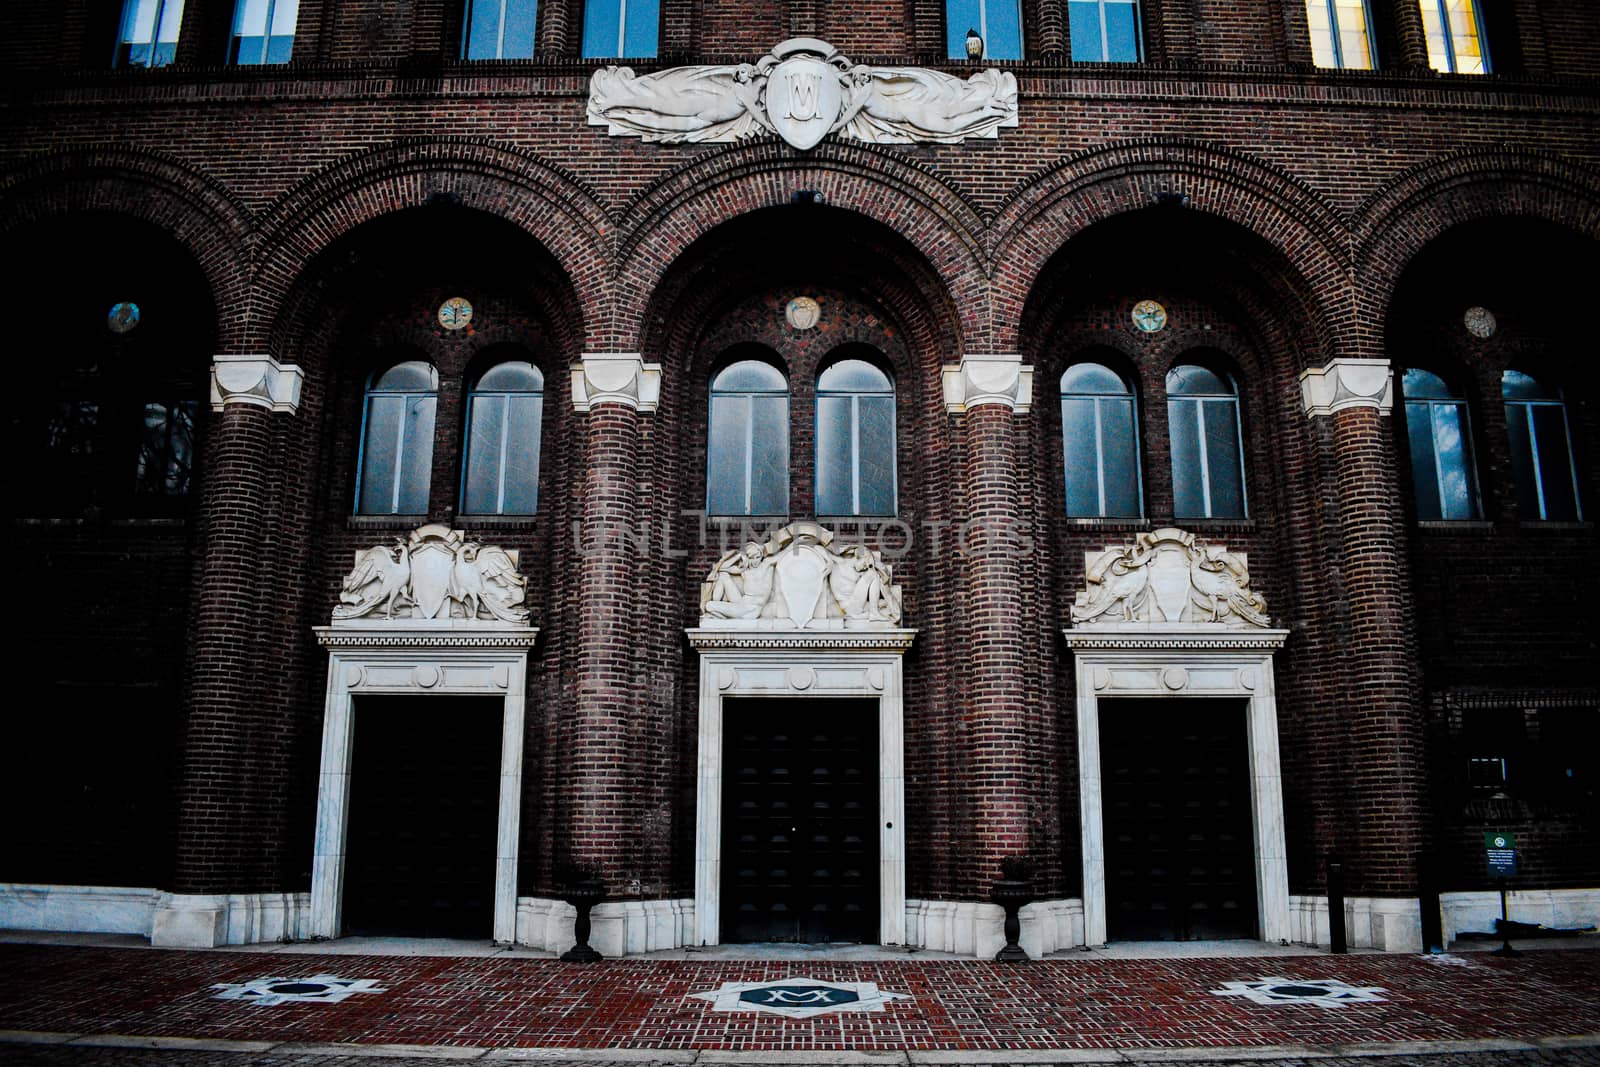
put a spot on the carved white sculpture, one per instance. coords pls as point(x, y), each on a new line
point(802, 91)
point(436, 573)
point(798, 580)
point(1171, 576)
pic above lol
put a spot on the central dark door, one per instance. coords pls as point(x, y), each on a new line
point(424, 807)
point(1180, 864)
point(799, 820)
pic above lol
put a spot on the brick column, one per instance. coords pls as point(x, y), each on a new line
point(600, 763)
point(990, 393)
point(1385, 732)
point(1409, 35)
point(228, 802)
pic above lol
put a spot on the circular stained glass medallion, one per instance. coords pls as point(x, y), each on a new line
point(1479, 322)
point(802, 313)
point(122, 317)
point(455, 313)
point(1149, 316)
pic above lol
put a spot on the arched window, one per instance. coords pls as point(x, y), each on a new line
point(855, 440)
point(1541, 449)
point(747, 462)
point(1207, 460)
point(1441, 448)
point(505, 413)
point(397, 441)
point(1099, 432)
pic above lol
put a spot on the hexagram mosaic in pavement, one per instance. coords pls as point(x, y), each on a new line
point(943, 1004)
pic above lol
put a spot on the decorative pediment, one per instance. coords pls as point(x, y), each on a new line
point(797, 580)
point(1168, 576)
point(436, 575)
point(802, 91)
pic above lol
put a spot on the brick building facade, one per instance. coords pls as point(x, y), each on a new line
point(1372, 280)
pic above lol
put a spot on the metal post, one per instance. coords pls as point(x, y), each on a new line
point(1505, 948)
point(1337, 944)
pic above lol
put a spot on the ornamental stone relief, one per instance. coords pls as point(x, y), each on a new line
point(436, 573)
point(798, 580)
point(1168, 576)
point(803, 90)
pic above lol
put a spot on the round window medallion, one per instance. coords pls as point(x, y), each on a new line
point(455, 313)
point(122, 317)
point(1149, 316)
point(802, 313)
point(1479, 322)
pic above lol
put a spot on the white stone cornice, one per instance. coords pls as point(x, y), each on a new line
point(1143, 637)
point(426, 633)
point(1347, 383)
point(708, 639)
point(615, 378)
point(995, 379)
point(260, 381)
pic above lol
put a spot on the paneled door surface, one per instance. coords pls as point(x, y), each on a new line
point(800, 813)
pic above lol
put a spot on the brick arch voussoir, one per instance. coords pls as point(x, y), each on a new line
point(197, 211)
point(553, 207)
point(944, 229)
point(1420, 205)
point(1056, 204)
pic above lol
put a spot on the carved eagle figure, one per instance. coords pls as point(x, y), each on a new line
point(484, 576)
point(1221, 587)
point(1116, 587)
point(382, 575)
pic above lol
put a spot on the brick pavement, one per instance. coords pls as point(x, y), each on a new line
point(490, 1003)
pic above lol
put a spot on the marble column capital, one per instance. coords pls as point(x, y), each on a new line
point(615, 378)
point(988, 379)
point(1347, 383)
point(256, 380)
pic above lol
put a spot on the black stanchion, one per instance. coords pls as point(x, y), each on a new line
point(1505, 948)
point(1336, 937)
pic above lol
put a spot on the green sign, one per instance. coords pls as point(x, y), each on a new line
point(1502, 854)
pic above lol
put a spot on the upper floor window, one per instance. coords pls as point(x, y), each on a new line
point(1441, 450)
point(747, 461)
point(505, 410)
point(1341, 33)
point(997, 22)
point(1207, 455)
point(616, 28)
point(1105, 31)
point(263, 31)
point(149, 33)
point(855, 440)
point(1099, 433)
point(1541, 449)
point(166, 448)
point(397, 441)
point(499, 29)
point(1454, 30)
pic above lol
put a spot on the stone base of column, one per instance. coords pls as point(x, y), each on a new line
point(206, 921)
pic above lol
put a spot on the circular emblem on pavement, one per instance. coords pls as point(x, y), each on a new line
point(1479, 322)
point(802, 313)
point(1149, 316)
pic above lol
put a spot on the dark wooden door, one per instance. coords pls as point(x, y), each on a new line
point(799, 818)
point(424, 804)
point(1180, 862)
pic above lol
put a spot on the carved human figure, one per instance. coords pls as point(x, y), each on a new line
point(904, 104)
point(742, 584)
point(861, 586)
point(680, 104)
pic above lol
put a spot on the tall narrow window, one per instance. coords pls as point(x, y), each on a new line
point(855, 440)
point(1341, 33)
point(616, 28)
point(1105, 31)
point(166, 448)
point(505, 413)
point(1207, 461)
point(499, 29)
point(263, 31)
point(149, 34)
point(1441, 448)
point(1541, 449)
point(747, 461)
point(998, 22)
point(397, 441)
point(1454, 31)
point(1099, 433)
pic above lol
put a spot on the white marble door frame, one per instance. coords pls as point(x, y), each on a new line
point(813, 665)
point(459, 661)
point(1182, 662)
